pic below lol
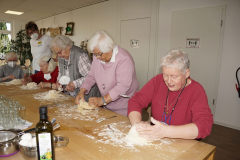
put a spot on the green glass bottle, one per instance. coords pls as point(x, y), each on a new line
point(44, 136)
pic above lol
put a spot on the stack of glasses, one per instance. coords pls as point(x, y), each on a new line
point(12, 114)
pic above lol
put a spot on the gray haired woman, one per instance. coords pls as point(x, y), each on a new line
point(10, 71)
point(47, 77)
point(114, 72)
point(179, 104)
point(74, 65)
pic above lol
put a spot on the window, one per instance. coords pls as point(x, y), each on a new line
point(5, 38)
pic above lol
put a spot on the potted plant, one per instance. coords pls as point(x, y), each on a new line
point(21, 46)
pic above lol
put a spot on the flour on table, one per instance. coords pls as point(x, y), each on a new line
point(13, 82)
point(122, 135)
point(31, 85)
point(67, 111)
point(52, 94)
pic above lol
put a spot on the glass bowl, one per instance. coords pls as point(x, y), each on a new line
point(61, 141)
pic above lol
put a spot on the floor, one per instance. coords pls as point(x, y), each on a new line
point(226, 140)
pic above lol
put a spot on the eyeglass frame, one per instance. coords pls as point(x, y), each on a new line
point(98, 55)
point(59, 52)
point(29, 34)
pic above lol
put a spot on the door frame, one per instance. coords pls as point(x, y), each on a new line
point(153, 41)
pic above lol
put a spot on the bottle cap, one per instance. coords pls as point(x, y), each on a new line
point(43, 110)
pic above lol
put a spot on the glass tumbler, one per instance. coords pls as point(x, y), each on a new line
point(21, 114)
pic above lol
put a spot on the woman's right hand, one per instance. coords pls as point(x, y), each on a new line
point(24, 81)
point(80, 95)
point(11, 77)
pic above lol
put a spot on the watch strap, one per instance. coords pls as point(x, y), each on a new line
point(104, 102)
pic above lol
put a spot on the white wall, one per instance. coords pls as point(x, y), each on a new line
point(228, 104)
point(16, 27)
point(87, 20)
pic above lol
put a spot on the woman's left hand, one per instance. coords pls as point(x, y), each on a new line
point(42, 84)
point(70, 87)
point(95, 102)
point(152, 132)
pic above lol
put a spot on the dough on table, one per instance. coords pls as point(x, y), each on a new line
point(133, 138)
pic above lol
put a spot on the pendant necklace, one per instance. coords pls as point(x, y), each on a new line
point(166, 104)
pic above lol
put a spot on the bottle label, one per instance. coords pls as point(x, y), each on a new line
point(45, 146)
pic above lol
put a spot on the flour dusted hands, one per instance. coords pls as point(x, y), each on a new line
point(95, 102)
point(26, 80)
point(79, 97)
point(11, 77)
point(151, 132)
point(70, 87)
point(43, 85)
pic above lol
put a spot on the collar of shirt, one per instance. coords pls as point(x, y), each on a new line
point(114, 53)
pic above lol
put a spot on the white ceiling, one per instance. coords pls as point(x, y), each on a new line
point(39, 9)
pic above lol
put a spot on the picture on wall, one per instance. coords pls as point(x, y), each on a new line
point(69, 29)
point(55, 31)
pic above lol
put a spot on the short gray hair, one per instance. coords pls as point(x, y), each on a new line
point(176, 58)
point(102, 40)
point(61, 41)
point(51, 64)
point(10, 55)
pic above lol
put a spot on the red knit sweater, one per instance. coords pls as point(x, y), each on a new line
point(192, 106)
point(39, 77)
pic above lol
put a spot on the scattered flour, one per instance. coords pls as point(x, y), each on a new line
point(119, 136)
point(72, 112)
point(52, 95)
point(13, 82)
point(31, 85)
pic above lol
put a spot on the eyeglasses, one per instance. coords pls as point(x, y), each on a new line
point(97, 55)
point(30, 33)
point(59, 52)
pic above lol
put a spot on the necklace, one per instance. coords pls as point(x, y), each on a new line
point(171, 104)
point(166, 104)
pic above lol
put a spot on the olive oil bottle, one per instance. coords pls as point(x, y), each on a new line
point(44, 136)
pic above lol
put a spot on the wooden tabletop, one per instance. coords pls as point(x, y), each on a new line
point(84, 133)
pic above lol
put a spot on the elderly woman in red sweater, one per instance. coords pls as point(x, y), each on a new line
point(179, 104)
point(47, 77)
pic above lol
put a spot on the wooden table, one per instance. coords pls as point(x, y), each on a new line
point(84, 143)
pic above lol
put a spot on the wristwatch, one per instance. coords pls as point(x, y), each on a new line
point(104, 102)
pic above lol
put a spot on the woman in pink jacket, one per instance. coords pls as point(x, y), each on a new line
point(114, 72)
